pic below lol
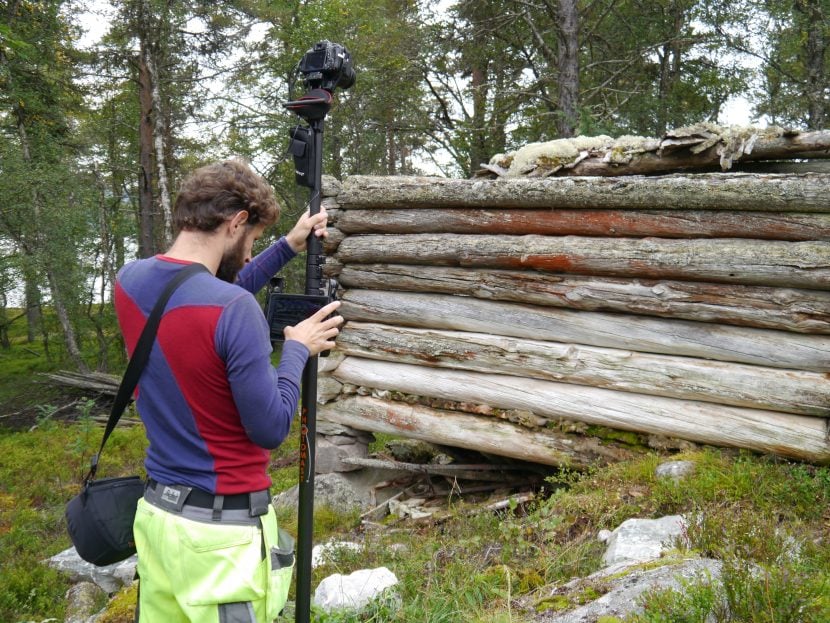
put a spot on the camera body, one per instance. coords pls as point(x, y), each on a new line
point(327, 66)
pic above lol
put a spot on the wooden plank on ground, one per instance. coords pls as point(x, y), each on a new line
point(462, 430)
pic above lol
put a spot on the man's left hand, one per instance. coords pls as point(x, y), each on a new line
point(297, 237)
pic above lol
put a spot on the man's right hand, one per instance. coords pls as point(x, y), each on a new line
point(316, 332)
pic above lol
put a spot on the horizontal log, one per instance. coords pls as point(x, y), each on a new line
point(663, 224)
point(775, 349)
point(462, 430)
point(715, 191)
point(788, 391)
point(794, 436)
point(796, 145)
point(727, 260)
point(802, 311)
point(454, 470)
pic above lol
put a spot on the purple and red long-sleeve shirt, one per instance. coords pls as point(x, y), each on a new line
point(210, 399)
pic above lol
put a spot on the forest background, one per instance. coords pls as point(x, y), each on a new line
point(95, 136)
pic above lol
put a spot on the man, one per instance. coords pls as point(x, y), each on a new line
point(213, 404)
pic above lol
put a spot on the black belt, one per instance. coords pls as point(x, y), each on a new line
point(178, 495)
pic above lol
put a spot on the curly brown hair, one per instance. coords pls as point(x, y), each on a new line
point(216, 192)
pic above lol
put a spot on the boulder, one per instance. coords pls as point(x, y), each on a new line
point(82, 601)
point(353, 591)
point(639, 540)
point(618, 590)
point(110, 578)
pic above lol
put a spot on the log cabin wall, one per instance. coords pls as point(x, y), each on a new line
point(542, 318)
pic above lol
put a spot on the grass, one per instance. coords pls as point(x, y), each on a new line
point(766, 519)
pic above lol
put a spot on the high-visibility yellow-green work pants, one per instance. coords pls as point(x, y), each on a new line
point(195, 570)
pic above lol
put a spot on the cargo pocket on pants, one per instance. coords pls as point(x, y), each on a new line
point(220, 563)
point(281, 566)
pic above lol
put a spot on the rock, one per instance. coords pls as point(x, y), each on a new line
point(332, 490)
point(82, 602)
point(622, 586)
point(331, 429)
point(331, 451)
point(640, 540)
point(109, 578)
point(411, 450)
point(675, 470)
point(327, 552)
point(603, 536)
point(353, 591)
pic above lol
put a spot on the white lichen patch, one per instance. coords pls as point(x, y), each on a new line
point(540, 159)
point(730, 143)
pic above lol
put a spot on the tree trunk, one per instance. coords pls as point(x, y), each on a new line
point(146, 202)
point(803, 264)
point(743, 192)
point(815, 52)
point(801, 311)
point(33, 311)
point(159, 135)
point(480, 90)
point(640, 333)
point(63, 317)
point(57, 299)
point(567, 34)
point(790, 391)
point(463, 430)
point(794, 436)
point(616, 223)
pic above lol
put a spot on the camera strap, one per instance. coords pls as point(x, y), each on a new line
point(141, 354)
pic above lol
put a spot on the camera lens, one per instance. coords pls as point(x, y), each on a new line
point(347, 76)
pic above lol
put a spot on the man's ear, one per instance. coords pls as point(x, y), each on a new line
point(239, 219)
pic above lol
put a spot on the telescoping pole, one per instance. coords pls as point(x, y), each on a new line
point(308, 409)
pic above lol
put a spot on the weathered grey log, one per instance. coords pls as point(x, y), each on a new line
point(462, 430)
point(469, 472)
point(795, 436)
point(93, 381)
point(803, 311)
point(796, 145)
point(716, 191)
point(727, 260)
point(332, 241)
point(663, 224)
point(789, 391)
point(330, 186)
point(764, 347)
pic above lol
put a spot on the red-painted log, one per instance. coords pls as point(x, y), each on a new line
point(663, 224)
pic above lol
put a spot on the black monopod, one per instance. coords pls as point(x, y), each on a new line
point(325, 67)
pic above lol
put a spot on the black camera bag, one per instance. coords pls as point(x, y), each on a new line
point(100, 518)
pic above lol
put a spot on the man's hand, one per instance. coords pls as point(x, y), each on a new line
point(297, 237)
point(316, 332)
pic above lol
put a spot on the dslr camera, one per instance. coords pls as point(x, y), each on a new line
point(327, 66)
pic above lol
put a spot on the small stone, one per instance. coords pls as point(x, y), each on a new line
point(353, 591)
point(82, 601)
point(675, 470)
point(604, 535)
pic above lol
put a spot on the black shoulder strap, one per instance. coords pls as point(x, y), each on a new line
point(139, 359)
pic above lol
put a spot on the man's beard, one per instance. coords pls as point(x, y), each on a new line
point(232, 262)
